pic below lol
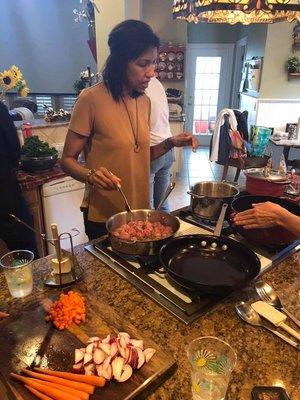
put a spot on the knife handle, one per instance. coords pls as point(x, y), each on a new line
point(283, 337)
point(290, 330)
point(294, 319)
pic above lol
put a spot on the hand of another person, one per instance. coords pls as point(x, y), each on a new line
point(262, 215)
point(185, 139)
point(3, 315)
point(104, 179)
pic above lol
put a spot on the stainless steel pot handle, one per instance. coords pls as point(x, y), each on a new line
point(164, 198)
point(198, 196)
point(219, 226)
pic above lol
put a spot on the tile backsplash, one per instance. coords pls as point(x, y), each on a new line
point(276, 113)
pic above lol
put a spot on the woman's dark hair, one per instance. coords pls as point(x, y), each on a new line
point(127, 41)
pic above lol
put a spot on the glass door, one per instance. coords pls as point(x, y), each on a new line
point(209, 75)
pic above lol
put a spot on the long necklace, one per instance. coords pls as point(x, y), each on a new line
point(135, 132)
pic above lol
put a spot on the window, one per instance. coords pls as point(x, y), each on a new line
point(206, 93)
point(41, 101)
point(68, 103)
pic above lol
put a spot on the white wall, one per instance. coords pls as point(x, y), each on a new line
point(158, 14)
point(43, 40)
point(275, 84)
point(111, 13)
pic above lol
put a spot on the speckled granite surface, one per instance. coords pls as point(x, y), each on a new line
point(263, 359)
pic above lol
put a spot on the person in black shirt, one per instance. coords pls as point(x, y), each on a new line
point(15, 235)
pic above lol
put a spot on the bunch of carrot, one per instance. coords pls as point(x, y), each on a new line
point(58, 385)
point(68, 309)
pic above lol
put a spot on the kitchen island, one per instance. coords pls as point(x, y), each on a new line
point(263, 359)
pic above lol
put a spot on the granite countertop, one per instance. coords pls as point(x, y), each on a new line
point(40, 123)
point(31, 180)
point(263, 359)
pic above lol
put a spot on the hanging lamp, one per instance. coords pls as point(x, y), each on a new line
point(234, 11)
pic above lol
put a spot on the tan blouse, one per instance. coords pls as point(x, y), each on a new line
point(111, 145)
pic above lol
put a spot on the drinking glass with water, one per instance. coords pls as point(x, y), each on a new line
point(18, 272)
point(212, 361)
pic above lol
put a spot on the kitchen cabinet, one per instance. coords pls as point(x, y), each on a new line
point(33, 198)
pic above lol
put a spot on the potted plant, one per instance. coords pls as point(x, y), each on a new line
point(37, 155)
point(292, 65)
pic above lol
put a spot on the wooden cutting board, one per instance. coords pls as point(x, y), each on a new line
point(25, 335)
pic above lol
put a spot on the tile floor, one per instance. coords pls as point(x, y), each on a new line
point(196, 167)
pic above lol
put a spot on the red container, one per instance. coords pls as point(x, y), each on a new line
point(261, 187)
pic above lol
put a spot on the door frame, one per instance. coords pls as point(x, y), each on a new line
point(238, 69)
point(205, 139)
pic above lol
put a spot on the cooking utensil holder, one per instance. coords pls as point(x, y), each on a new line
point(60, 280)
point(76, 272)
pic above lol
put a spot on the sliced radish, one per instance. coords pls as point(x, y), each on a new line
point(99, 356)
point(107, 372)
point(137, 343)
point(149, 353)
point(79, 354)
point(88, 358)
point(89, 369)
point(134, 358)
point(93, 339)
point(113, 349)
point(78, 368)
point(106, 340)
point(141, 358)
point(125, 336)
point(128, 355)
point(106, 362)
point(126, 374)
point(105, 347)
point(123, 342)
point(89, 348)
point(99, 369)
point(117, 366)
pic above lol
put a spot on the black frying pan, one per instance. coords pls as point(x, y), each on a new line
point(209, 263)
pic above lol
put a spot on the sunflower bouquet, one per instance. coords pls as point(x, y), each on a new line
point(13, 78)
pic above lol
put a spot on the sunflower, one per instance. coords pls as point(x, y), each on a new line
point(16, 72)
point(23, 92)
point(8, 80)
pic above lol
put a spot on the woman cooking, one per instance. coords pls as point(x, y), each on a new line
point(110, 120)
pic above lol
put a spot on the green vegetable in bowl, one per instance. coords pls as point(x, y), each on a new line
point(34, 147)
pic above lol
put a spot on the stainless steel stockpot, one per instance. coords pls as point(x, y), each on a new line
point(207, 198)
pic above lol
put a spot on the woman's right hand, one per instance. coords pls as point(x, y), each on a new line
point(104, 179)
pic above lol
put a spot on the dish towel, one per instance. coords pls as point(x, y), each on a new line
point(216, 135)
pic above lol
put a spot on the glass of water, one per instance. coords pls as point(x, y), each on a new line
point(212, 361)
point(18, 272)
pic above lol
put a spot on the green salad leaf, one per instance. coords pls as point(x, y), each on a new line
point(34, 147)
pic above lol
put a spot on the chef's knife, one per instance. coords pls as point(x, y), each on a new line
point(274, 316)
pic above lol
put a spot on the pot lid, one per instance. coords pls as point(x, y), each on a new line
point(273, 176)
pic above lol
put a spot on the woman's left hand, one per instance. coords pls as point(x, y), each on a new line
point(262, 215)
point(185, 139)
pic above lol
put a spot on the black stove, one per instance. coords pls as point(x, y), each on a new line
point(147, 275)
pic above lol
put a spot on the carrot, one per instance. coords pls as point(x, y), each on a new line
point(84, 387)
point(55, 394)
point(92, 380)
point(68, 309)
point(38, 394)
point(66, 389)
